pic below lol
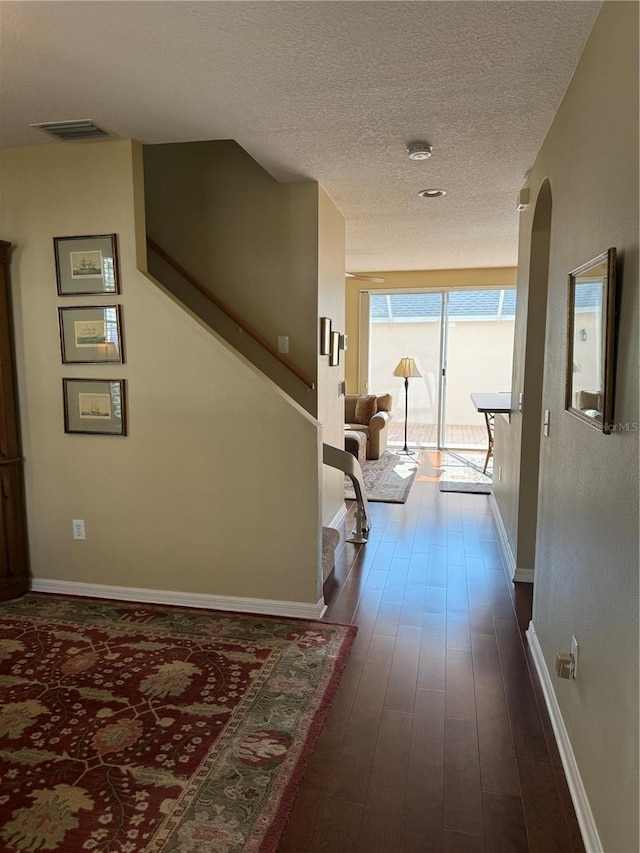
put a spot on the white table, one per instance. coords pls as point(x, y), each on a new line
point(495, 403)
point(491, 404)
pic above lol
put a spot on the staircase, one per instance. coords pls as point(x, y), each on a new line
point(330, 541)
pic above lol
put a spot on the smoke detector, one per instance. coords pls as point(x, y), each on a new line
point(432, 193)
point(419, 151)
point(71, 131)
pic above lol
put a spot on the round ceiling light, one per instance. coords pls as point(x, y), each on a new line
point(419, 151)
point(432, 193)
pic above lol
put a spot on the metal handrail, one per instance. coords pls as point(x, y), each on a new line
point(257, 337)
point(348, 464)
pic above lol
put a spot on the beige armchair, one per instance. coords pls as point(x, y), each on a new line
point(591, 403)
point(369, 414)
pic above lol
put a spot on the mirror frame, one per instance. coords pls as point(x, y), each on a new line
point(607, 349)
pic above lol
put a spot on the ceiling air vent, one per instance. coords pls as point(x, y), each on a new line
point(71, 131)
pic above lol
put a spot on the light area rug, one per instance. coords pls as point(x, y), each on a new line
point(127, 728)
point(462, 472)
point(386, 480)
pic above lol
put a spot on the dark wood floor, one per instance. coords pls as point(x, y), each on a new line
point(438, 739)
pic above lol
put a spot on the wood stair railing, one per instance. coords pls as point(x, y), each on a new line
point(245, 327)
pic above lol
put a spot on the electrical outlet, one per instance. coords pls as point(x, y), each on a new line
point(574, 657)
point(283, 343)
point(78, 528)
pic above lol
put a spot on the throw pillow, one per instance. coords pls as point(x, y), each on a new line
point(384, 403)
point(366, 407)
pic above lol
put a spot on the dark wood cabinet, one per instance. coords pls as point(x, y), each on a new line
point(14, 575)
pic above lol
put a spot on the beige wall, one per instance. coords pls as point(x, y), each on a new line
point(249, 239)
point(274, 253)
point(410, 280)
point(331, 246)
point(215, 490)
point(586, 570)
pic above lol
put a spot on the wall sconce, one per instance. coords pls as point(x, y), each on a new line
point(325, 335)
point(334, 354)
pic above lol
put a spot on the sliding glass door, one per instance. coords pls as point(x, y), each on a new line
point(461, 341)
point(478, 357)
point(401, 325)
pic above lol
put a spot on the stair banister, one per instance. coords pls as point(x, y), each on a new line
point(230, 313)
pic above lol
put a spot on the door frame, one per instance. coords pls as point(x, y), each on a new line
point(364, 348)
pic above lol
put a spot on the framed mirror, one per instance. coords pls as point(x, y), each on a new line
point(590, 341)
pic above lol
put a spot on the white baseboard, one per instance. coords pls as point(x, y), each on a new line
point(339, 517)
point(265, 606)
point(524, 575)
point(515, 573)
point(584, 814)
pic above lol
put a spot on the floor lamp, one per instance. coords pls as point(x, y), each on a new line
point(407, 369)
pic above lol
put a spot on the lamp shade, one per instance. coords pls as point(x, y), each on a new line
point(107, 352)
point(407, 368)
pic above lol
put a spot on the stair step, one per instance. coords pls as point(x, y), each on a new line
point(330, 540)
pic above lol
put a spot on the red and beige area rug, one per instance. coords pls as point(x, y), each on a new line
point(127, 728)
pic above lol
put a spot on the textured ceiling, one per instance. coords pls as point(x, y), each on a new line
point(327, 91)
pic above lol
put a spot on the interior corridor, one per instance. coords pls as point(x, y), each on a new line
point(438, 739)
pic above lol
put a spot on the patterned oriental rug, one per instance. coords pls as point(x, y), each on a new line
point(386, 480)
point(127, 728)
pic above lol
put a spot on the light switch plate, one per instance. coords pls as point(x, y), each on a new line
point(574, 656)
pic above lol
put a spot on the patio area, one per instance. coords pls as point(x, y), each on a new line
point(426, 435)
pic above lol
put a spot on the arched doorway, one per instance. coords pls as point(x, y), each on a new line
point(532, 383)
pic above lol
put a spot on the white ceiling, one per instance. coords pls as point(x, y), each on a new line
point(327, 91)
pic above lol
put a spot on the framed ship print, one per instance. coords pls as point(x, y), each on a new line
point(91, 335)
point(95, 406)
point(86, 265)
